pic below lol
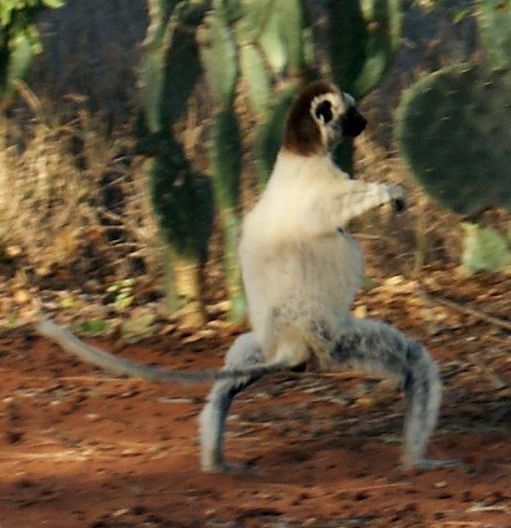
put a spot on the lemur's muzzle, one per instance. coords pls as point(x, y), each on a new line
point(353, 123)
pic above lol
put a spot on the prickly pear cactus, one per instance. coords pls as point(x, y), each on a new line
point(494, 19)
point(454, 126)
point(225, 159)
point(282, 38)
point(257, 79)
point(269, 132)
point(277, 58)
point(19, 39)
point(181, 198)
point(454, 131)
point(363, 37)
point(219, 56)
point(484, 249)
point(273, 51)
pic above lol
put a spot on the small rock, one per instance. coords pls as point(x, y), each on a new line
point(139, 510)
point(120, 513)
point(130, 452)
point(21, 296)
point(13, 437)
point(361, 495)
point(466, 496)
point(444, 495)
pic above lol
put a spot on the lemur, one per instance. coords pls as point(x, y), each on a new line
point(301, 271)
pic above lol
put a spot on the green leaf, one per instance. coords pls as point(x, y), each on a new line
point(94, 326)
point(368, 282)
point(484, 249)
point(53, 4)
point(67, 302)
point(460, 14)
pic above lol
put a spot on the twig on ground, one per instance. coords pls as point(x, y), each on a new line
point(498, 381)
point(501, 323)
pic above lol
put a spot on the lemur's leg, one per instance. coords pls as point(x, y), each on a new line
point(379, 348)
point(244, 353)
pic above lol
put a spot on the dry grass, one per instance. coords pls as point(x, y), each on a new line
point(404, 243)
point(73, 203)
point(74, 208)
point(72, 197)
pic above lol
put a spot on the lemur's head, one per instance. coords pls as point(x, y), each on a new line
point(319, 118)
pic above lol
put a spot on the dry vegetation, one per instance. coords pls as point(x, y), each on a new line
point(72, 196)
point(82, 449)
point(74, 214)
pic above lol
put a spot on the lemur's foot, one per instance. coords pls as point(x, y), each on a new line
point(229, 468)
point(427, 464)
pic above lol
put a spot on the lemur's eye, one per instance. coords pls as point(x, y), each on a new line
point(324, 111)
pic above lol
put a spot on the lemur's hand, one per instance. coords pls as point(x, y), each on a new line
point(397, 198)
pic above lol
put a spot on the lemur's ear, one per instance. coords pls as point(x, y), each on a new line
point(324, 111)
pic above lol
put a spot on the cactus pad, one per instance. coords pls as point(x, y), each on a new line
point(363, 38)
point(269, 133)
point(257, 78)
point(454, 132)
point(225, 158)
point(494, 17)
point(219, 58)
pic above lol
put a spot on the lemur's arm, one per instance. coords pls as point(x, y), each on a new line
point(348, 199)
point(356, 197)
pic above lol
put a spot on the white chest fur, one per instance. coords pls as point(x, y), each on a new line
point(293, 255)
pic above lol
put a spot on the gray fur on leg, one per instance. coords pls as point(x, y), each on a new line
point(423, 393)
point(379, 348)
point(243, 353)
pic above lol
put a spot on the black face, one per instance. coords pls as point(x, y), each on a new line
point(353, 123)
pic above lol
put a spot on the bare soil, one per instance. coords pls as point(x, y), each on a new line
point(79, 448)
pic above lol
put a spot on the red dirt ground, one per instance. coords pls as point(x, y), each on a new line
point(81, 449)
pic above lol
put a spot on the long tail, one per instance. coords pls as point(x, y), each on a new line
point(122, 366)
